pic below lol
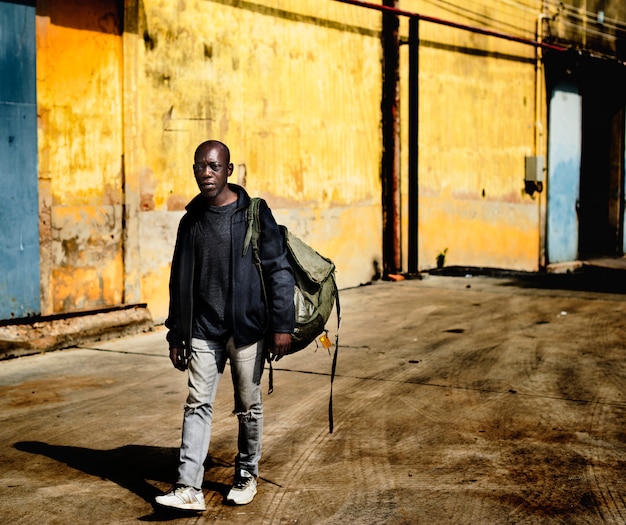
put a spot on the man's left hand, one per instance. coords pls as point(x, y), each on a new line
point(279, 346)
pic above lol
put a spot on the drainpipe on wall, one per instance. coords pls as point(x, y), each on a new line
point(413, 167)
point(130, 169)
point(539, 136)
point(390, 163)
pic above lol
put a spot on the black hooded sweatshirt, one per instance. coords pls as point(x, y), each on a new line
point(247, 313)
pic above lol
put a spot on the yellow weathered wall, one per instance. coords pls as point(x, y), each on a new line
point(79, 89)
point(294, 89)
point(476, 125)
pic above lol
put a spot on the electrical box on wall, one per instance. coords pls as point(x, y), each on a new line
point(535, 168)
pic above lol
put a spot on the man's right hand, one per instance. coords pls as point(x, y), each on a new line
point(177, 357)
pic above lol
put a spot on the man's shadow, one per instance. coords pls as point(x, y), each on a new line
point(128, 466)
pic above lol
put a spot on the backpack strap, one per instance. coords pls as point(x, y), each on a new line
point(251, 238)
point(253, 232)
point(254, 226)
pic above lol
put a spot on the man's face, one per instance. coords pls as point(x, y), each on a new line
point(212, 169)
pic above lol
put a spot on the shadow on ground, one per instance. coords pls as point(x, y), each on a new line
point(129, 466)
point(588, 279)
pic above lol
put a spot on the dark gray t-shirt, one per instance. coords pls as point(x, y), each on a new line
point(212, 274)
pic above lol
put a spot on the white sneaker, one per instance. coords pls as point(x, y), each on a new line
point(244, 489)
point(182, 497)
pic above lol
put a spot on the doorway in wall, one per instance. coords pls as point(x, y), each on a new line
point(585, 206)
point(601, 201)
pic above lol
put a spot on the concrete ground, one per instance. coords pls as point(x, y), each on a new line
point(458, 400)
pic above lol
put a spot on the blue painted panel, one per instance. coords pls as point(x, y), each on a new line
point(564, 154)
point(19, 219)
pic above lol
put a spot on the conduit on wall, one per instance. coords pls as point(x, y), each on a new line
point(390, 164)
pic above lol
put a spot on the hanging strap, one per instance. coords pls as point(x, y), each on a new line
point(331, 423)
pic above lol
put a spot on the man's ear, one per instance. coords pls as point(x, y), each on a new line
point(230, 169)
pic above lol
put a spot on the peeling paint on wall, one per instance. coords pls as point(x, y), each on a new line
point(79, 88)
point(298, 102)
point(476, 125)
point(294, 88)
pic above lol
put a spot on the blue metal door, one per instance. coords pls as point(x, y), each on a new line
point(19, 219)
point(564, 155)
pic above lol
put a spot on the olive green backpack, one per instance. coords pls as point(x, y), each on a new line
point(315, 292)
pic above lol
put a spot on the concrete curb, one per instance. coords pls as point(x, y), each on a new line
point(57, 332)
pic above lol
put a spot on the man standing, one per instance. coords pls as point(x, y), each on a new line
point(218, 312)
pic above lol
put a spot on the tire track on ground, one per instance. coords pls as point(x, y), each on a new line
point(352, 398)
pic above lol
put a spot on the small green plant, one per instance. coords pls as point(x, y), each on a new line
point(441, 258)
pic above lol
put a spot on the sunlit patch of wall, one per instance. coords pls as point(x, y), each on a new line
point(79, 89)
point(158, 236)
point(294, 90)
point(476, 126)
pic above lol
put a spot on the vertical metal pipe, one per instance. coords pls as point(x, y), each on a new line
point(390, 163)
point(538, 137)
point(129, 10)
point(413, 168)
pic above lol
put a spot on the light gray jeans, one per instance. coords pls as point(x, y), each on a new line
point(206, 366)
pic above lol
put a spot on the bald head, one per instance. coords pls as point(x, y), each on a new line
point(209, 144)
